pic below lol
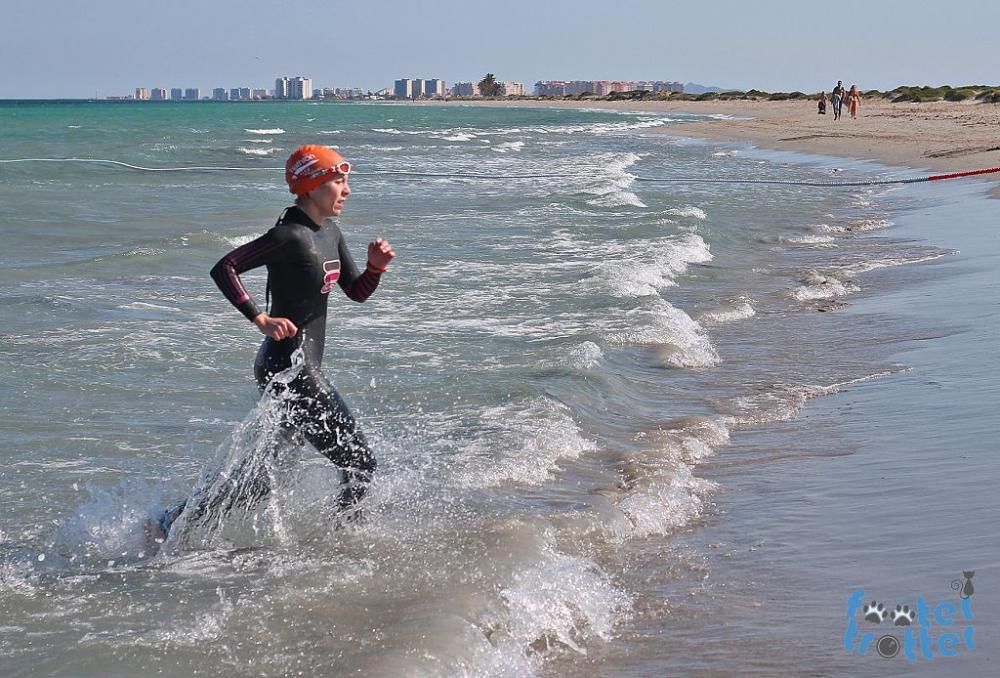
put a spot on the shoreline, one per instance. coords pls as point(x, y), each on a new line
point(941, 137)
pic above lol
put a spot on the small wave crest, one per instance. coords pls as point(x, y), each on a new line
point(275, 130)
point(262, 152)
point(670, 259)
point(816, 285)
point(508, 146)
point(522, 442)
point(663, 494)
point(740, 310)
point(681, 340)
point(858, 226)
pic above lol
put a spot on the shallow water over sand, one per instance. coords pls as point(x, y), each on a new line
point(622, 428)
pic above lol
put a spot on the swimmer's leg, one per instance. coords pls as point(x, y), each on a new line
point(325, 420)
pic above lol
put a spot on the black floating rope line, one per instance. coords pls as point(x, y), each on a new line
point(468, 175)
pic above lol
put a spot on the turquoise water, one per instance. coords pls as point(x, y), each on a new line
point(580, 389)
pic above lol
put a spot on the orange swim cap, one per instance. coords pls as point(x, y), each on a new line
point(311, 166)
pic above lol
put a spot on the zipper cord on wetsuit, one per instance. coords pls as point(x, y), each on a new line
point(267, 286)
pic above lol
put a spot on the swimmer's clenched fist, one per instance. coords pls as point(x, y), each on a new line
point(276, 328)
point(379, 254)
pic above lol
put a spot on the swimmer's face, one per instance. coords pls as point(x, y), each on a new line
point(329, 197)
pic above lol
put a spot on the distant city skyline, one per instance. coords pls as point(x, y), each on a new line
point(69, 49)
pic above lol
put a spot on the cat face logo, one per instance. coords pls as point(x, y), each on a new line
point(331, 275)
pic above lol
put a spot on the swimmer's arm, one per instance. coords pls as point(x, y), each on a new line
point(226, 273)
point(359, 287)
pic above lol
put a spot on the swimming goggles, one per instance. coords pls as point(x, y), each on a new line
point(342, 167)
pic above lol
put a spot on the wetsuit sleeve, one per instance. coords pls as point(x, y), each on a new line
point(226, 273)
point(357, 287)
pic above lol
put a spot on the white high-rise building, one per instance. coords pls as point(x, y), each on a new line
point(158, 94)
point(293, 88)
point(300, 88)
point(176, 94)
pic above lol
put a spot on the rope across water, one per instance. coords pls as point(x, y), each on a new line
point(474, 175)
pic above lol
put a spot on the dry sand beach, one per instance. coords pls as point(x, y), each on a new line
point(941, 136)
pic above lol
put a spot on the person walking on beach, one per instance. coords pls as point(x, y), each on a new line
point(853, 101)
point(306, 256)
point(837, 98)
point(822, 103)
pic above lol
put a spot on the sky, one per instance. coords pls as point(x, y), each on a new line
point(79, 49)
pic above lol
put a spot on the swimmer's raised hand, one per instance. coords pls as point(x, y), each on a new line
point(276, 328)
point(379, 255)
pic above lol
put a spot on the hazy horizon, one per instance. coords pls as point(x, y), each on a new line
point(71, 50)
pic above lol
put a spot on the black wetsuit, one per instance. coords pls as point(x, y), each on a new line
point(304, 260)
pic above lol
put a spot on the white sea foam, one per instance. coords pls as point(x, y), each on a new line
point(817, 286)
point(257, 151)
point(143, 306)
point(564, 598)
point(522, 442)
point(663, 493)
point(239, 240)
point(610, 181)
point(727, 314)
point(645, 276)
point(858, 226)
point(658, 323)
point(815, 240)
point(866, 266)
point(782, 402)
point(330, 131)
point(508, 146)
point(585, 356)
point(275, 130)
point(688, 211)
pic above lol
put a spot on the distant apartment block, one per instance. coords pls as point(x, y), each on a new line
point(558, 88)
point(258, 94)
point(158, 94)
point(296, 87)
point(176, 94)
point(434, 88)
point(512, 89)
point(465, 89)
point(281, 88)
point(403, 89)
point(141, 94)
point(192, 94)
point(550, 88)
point(220, 94)
point(417, 88)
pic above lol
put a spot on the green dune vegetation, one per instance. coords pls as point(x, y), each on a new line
point(905, 93)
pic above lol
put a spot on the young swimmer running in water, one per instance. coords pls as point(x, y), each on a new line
point(305, 256)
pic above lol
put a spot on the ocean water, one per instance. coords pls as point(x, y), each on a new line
point(623, 427)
